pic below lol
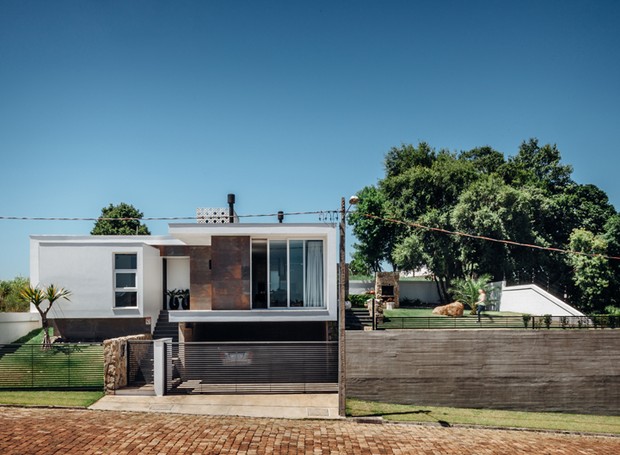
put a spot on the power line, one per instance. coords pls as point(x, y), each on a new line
point(490, 239)
point(325, 213)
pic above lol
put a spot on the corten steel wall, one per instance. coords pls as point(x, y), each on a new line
point(231, 273)
point(200, 277)
point(538, 370)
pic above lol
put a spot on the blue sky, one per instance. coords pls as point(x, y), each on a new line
point(170, 106)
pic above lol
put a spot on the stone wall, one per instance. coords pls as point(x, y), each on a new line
point(536, 370)
point(385, 281)
point(115, 362)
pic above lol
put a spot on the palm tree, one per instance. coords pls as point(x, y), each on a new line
point(37, 297)
point(465, 290)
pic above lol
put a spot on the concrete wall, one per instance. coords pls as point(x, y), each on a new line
point(425, 291)
point(543, 370)
point(531, 299)
point(15, 325)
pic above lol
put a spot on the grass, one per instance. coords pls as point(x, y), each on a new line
point(423, 318)
point(48, 398)
point(428, 312)
point(485, 417)
point(27, 365)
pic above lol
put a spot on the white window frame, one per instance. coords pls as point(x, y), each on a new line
point(133, 289)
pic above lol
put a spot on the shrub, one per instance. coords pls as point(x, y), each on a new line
point(564, 321)
point(407, 302)
point(359, 300)
point(10, 298)
point(547, 319)
point(526, 320)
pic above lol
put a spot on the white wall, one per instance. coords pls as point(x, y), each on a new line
point(87, 270)
point(178, 273)
point(152, 281)
point(16, 325)
point(425, 291)
point(531, 299)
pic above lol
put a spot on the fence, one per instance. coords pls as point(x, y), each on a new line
point(249, 367)
point(502, 322)
point(535, 370)
point(62, 366)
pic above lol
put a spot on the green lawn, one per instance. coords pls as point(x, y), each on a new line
point(423, 318)
point(27, 365)
point(48, 398)
point(504, 419)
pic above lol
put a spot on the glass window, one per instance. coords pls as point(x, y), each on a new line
point(125, 285)
point(292, 271)
point(278, 273)
point(259, 273)
point(126, 261)
point(296, 272)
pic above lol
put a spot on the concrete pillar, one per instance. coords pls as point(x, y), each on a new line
point(162, 364)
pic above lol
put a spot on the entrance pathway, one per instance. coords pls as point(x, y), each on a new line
point(45, 431)
point(289, 406)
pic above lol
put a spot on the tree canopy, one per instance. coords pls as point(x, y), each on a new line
point(530, 198)
point(121, 219)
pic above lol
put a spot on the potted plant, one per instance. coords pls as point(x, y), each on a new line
point(173, 302)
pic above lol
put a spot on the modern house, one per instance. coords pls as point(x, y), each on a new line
point(253, 283)
point(250, 282)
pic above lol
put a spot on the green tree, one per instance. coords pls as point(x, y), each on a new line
point(592, 275)
point(10, 298)
point(121, 219)
point(38, 297)
point(527, 199)
point(492, 209)
point(538, 166)
point(376, 237)
point(465, 290)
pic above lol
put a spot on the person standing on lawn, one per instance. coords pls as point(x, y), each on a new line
point(481, 303)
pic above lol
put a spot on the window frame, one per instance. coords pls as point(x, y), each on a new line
point(125, 289)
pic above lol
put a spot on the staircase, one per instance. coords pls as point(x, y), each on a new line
point(166, 329)
point(357, 319)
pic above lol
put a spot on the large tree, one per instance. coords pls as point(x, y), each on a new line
point(529, 199)
point(121, 219)
point(592, 274)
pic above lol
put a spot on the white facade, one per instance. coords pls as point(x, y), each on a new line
point(85, 266)
point(530, 299)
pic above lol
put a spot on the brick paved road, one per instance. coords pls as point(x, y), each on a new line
point(71, 432)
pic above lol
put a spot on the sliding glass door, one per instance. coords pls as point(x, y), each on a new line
point(287, 273)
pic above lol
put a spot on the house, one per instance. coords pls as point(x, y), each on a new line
point(258, 302)
point(246, 282)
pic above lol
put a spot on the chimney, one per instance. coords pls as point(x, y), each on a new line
point(231, 208)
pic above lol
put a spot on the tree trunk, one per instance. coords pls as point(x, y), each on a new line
point(47, 342)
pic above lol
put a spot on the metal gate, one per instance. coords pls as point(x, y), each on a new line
point(140, 365)
point(254, 367)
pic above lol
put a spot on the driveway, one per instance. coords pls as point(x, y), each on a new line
point(76, 431)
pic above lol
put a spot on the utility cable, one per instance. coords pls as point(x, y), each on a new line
point(490, 239)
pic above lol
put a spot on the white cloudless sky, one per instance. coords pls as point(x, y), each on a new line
point(290, 105)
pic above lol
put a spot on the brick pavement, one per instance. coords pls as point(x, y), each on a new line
point(26, 431)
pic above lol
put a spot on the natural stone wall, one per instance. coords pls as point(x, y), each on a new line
point(536, 370)
point(115, 362)
point(387, 280)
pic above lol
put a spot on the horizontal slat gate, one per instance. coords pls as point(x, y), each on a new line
point(257, 367)
point(61, 366)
